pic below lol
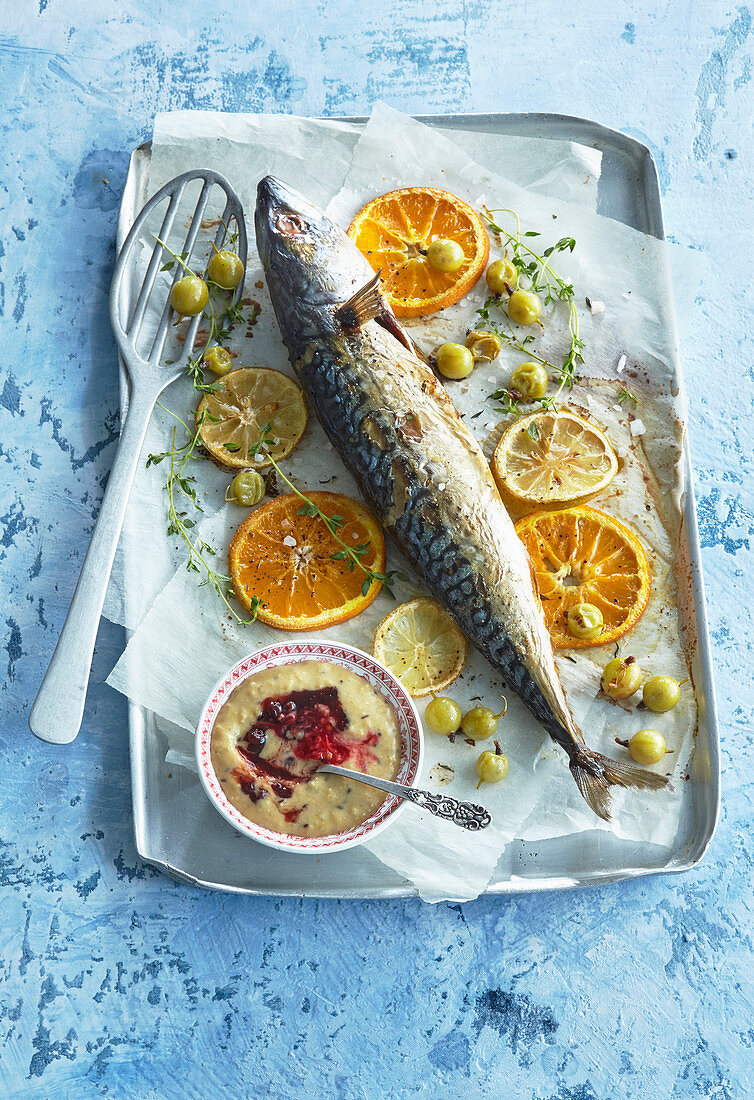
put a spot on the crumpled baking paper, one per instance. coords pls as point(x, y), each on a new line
point(184, 643)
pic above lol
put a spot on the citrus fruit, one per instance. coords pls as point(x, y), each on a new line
point(582, 556)
point(395, 232)
point(287, 560)
point(422, 645)
point(553, 458)
point(233, 417)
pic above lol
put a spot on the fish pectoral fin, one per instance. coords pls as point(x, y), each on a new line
point(391, 324)
point(367, 304)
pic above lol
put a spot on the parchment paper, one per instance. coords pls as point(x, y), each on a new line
point(183, 645)
point(314, 155)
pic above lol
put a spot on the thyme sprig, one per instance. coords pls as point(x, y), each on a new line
point(352, 555)
point(541, 277)
point(179, 484)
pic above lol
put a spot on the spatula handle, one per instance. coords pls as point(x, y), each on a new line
point(59, 707)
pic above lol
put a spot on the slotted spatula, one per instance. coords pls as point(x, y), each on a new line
point(59, 707)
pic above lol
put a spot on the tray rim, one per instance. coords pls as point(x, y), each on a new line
point(598, 136)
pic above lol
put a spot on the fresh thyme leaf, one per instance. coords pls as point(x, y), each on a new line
point(232, 446)
point(181, 524)
point(508, 403)
point(195, 371)
point(532, 430)
point(626, 395)
point(155, 460)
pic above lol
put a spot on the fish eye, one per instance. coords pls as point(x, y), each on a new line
point(290, 225)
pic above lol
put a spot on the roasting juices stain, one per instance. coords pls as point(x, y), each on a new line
point(268, 745)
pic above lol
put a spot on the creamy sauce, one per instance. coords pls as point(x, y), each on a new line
point(281, 724)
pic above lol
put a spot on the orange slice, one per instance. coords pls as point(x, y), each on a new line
point(394, 232)
point(554, 458)
point(287, 561)
point(580, 555)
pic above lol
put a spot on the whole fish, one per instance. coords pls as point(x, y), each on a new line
point(417, 463)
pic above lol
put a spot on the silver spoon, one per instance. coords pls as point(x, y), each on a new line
point(59, 707)
point(466, 814)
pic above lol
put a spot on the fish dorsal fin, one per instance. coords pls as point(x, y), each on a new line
point(367, 304)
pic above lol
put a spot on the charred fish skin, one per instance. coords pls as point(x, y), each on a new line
point(368, 440)
point(417, 463)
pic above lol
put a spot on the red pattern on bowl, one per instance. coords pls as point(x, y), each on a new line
point(379, 677)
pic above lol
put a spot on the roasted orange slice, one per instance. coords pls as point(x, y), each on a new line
point(292, 563)
point(580, 555)
point(395, 231)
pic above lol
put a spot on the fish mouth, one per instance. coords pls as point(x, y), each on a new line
point(273, 194)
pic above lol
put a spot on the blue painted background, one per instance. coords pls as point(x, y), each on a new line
point(117, 982)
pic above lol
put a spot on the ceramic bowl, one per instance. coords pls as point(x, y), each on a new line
point(379, 678)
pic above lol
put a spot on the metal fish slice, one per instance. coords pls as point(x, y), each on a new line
point(59, 706)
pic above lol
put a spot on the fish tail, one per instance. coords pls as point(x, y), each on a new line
point(595, 774)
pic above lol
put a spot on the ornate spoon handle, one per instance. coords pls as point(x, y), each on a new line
point(468, 815)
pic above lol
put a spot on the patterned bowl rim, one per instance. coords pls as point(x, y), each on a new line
point(378, 676)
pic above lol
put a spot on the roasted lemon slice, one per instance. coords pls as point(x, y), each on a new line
point(292, 564)
point(233, 418)
point(395, 232)
point(422, 645)
point(580, 555)
point(553, 458)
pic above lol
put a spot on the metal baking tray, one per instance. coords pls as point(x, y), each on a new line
point(197, 846)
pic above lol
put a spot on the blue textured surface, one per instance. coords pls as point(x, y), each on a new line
point(118, 982)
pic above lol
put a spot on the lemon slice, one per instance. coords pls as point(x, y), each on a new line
point(421, 645)
point(233, 417)
point(553, 458)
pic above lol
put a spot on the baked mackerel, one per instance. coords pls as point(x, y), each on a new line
point(417, 463)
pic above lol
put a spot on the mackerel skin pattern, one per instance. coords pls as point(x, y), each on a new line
point(375, 401)
point(418, 464)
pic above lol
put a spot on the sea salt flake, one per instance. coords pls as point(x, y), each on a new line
point(638, 427)
point(289, 541)
point(597, 307)
point(258, 457)
point(621, 364)
point(441, 486)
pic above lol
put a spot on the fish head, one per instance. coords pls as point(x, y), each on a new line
point(311, 265)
